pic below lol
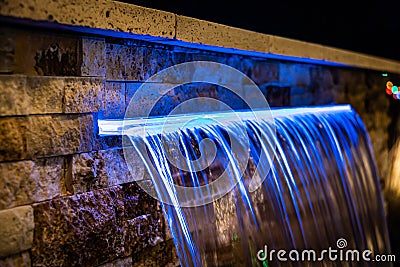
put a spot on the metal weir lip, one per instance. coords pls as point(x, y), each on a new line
point(170, 123)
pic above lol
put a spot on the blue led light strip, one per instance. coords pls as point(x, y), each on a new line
point(155, 125)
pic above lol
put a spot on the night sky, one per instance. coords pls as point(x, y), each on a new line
point(372, 28)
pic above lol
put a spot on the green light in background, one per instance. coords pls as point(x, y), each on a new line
point(384, 74)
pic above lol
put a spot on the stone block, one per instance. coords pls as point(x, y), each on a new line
point(155, 60)
point(263, 71)
point(18, 260)
point(13, 98)
point(294, 75)
point(13, 138)
point(83, 95)
point(295, 48)
point(137, 202)
point(16, 230)
point(162, 254)
point(82, 13)
point(99, 169)
point(26, 182)
point(45, 94)
point(124, 17)
point(125, 262)
point(7, 49)
point(81, 230)
point(142, 232)
point(114, 101)
point(209, 33)
point(48, 54)
point(93, 57)
point(117, 57)
point(6, 62)
point(52, 135)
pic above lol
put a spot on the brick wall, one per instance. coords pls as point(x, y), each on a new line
point(67, 197)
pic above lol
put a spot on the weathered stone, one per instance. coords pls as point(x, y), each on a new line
point(285, 46)
point(294, 75)
point(38, 53)
point(13, 178)
point(116, 57)
point(138, 202)
point(26, 182)
point(13, 138)
point(82, 13)
point(154, 60)
point(93, 57)
point(16, 230)
point(60, 134)
point(13, 98)
point(209, 33)
point(125, 262)
point(114, 101)
point(80, 230)
point(6, 62)
point(140, 20)
point(45, 94)
point(134, 63)
point(142, 232)
point(7, 39)
point(99, 169)
point(277, 96)
point(162, 254)
point(18, 260)
point(83, 95)
point(262, 72)
point(7, 48)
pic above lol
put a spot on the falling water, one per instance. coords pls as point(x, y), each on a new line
point(318, 184)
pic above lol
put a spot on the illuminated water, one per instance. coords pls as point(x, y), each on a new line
point(321, 184)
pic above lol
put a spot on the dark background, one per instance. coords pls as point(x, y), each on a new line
point(371, 27)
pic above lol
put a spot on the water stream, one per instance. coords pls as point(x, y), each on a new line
point(307, 180)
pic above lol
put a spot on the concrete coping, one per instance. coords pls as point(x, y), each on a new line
point(113, 18)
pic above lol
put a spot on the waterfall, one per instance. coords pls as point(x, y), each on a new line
point(305, 180)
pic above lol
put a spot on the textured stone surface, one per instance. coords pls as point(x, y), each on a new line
point(81, 230)
point(26, 182)
point(13, 138)
point(60, 134)
point(83, 13)
point(44, 53)
point(45, 94)
point(124, 62)
point(142, 232)
point(16, 230)
point(163, 254)
point(83, 95)
point(18, 260)
point(93, 57)
point(99, 169)
point(13, 100)
point(209, 33)
point(126, 262)
point(114, 101)
point(144, 225)
point(7, 50)
point(140, 20)
point(6, 62)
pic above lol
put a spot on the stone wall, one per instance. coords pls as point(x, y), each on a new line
point(67, 197)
